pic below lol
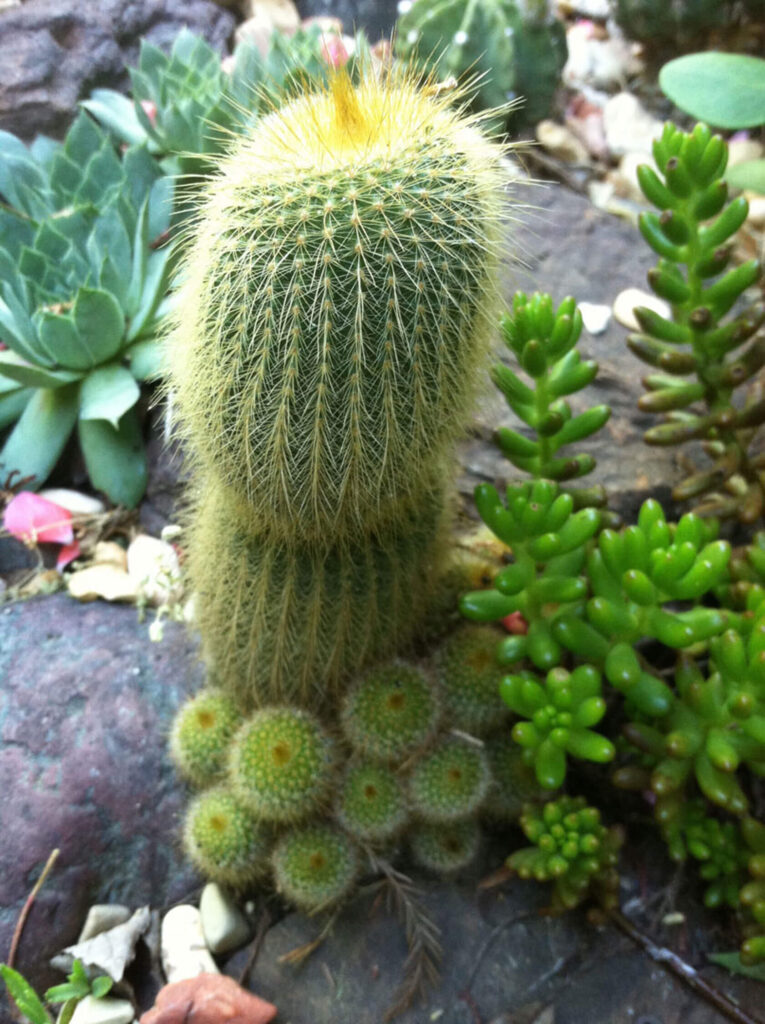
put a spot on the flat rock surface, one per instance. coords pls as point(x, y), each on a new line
point(54, 52)
point(85, 706)
point(563, 245)
point(501, 961)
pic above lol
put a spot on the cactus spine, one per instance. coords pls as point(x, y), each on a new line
point(337, 300)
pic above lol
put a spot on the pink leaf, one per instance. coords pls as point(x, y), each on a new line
point(34, 519)
point(67, 554)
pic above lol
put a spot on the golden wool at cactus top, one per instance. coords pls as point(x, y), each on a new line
point(338, 297)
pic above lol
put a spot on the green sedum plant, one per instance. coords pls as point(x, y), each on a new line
point(559, 713)
point(572, 849)
point(543, 341)
point(674, 622)
point(692, 236)
point(81, 287)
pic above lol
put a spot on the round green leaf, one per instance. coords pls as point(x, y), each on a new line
point(749, 175)
point(726, 90)
point(100, 323)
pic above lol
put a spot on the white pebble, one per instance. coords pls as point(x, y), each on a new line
point(103, 1011)
point(101, 917)
point(73, 501)
point(595, 317)
point(223, 924)
point(626, 301)
point(184, 951)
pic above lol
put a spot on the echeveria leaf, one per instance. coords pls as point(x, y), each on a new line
point(62, 342)
point(107, 393)
point(155, 283)
point(28, 375)
point(115, 459)
point(12, 405)
point(749, 175)
point(147, 359)
point(100, 323)
point(37, 440)
point(727, 90)
point(115, 112)
point(16, 329)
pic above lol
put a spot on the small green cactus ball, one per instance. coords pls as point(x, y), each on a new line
point(391, 713)
point(445, 849)
point(281, 764)
point(223, 839)
point(470, 676)
point(315, 866)
point(513, 782)
point(450, 781)
point(201, 735)
point(371, 806)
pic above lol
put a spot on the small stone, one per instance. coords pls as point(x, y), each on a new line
point(604, 63)
point(101, 917)
point(103, 1011)
point(595, 317)
point(561, 143)
point(154, 569)
point(263, 18)
point(109, 552)
point(626, 301)
point(223, 924)
point(106, 581)
point(628, 126)
point(756, 215)
point(184, 951)
point(73, 501)
point(740, 151)
point(624, 178)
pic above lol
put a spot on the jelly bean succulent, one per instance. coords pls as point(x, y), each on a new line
point(81, 287)
point(560, 712)
point(692, 235)
point(543, 340)
point(617, 607)
point(512, 50)
point(572, 849)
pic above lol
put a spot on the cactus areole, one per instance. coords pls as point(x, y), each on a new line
point(338, 297)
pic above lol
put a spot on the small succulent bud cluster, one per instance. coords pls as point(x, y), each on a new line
point(572, 849)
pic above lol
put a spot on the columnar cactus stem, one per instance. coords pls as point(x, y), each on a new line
point(338, 297)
